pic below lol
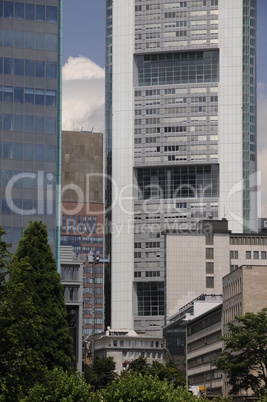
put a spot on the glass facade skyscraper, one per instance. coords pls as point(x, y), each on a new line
point(30, 116)
point(181, 135)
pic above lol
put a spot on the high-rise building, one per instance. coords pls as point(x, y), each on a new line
point(181, 135)
point(82, 217)
point(30, 116)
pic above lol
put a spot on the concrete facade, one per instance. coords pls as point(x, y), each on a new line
point(125, 346)
point(181, 132)
point(197, 261)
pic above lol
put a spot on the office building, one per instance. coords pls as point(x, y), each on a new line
point(197, 262)
point(82, 213)
point(30, 120)
point(181, 135)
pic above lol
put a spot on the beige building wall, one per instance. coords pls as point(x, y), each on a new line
point(186, 268)
point(82, 152)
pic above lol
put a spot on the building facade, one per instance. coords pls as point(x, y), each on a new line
point(125, 346)
point(30, 123)
point(181, 135)
point(82, 221)
point(71, 272)
point(197, 261)
point(244, 290)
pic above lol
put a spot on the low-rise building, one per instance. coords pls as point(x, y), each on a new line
point(204, 345)
point(244, 290)
point(124, 346)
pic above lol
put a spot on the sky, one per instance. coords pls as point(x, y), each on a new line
point(84, 76)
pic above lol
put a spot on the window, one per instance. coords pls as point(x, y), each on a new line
point(209, 253)
point(263, 255)
point(209, 267)
point(209, 282)
point(233, 254)
point(256, 255)
point(248, 255)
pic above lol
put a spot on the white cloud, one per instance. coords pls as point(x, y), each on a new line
point(83, 95)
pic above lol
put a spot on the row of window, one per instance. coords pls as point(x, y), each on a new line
point(14, 234)
point(29, 68)
point(81, 224)
point(69, 272)
point(27, 180)
point(249, 240)
point(89, 311)
point(28, 124)
point(136, 344)
point(28, 40)
point(90, 300)
point(83, 250)
point(29, 12)
point(30, 96)
point(256, 255)
point(28, 207)
point(98, 321)
point(148, 274)
point(28, 152)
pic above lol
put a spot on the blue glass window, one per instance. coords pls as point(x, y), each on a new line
point(50, 125)
point(40, 41)
point(29, 12)
point(7, 150)
point(6, 176)
point(39, 97)
point(51, 70)
point(50, 153)
point(5, 208)
point(40, 68)
point(89, 224)
point(18, 123)
point(1, 93)
point(29, 40)
point(19, 39)
point(18, 95)
point(28, 152)
point(51, 14)
point(29, 96)
point(28, 181)
point(40, 13)
point(50, 98)
point(1, 8)
point(8, 65)
point(39, 124)
point(17, 204)
point(29, 68)
point(19, 66)
point(8, 38)
point(1, 37)
point(8, 9)
point(39, 152)
point(51, 42)
point(8, 94)
point(1, 65)
point(18, 150)
point(19, 11)
point(29, 124)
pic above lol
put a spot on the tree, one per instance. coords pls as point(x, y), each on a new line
point(57, 386)
point(33, 325)
point(244, 358)
point(101, 373)
point(167, 371)
point(135, 387)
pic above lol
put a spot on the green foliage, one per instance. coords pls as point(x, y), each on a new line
point(138, 388)
point(33, 325)
point(245, 356)
point(54, 343)
point(101, 373)
point(166, 371)
point(59, 386)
